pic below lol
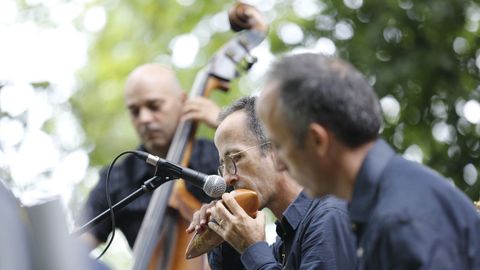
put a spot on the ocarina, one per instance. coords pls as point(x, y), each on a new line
point(208, 239)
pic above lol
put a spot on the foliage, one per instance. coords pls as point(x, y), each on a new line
point(136, 33)
point(421, 69)
point(420, 54)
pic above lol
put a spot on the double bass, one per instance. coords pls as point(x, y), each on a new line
point(162, 240)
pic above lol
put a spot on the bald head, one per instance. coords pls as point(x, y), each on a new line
point(155, 99)
point(153, 74)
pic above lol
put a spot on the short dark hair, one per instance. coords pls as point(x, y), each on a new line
point(327, 91)
point(247, 104)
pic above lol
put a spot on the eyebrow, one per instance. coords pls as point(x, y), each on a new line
point(230, 152)
point(148, 101)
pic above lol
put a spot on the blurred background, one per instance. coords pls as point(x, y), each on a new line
point(63, 65)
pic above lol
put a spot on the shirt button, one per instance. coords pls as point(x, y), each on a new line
point(354, 226)
point(359, 252)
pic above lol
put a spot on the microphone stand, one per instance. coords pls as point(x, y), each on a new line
point(147, 186)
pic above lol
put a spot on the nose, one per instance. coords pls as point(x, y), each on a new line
point(145, 115)
point(230, 179)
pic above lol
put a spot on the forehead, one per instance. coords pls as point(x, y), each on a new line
point(149, 88)
point(232, 134)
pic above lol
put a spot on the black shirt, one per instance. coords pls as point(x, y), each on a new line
point(127, 176)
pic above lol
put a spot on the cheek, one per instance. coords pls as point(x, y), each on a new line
point(172, 117)
point(287, 157)
point(168, 121)
point(255, 175)
point(282, 156)
point(137, 125)
point(296, 165)
point(310, 175)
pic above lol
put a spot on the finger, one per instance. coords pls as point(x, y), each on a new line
point(192, 104)
point(192, 115)
point(203, 216)
point(194, 223)
point(204, 213)
point(188, 109)
point(190, 229)
point(209, 211)
point(216, 228)
point(199, 100)
point(203, 104)
point(219, 212)
point(233, 205)
point(219, 218)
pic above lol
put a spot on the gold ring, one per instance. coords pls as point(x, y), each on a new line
point(220, 223)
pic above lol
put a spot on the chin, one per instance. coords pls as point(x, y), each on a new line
point(155, 145)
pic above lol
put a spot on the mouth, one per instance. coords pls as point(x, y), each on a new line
point(151, 134)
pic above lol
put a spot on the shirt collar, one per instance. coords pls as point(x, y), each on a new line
point(296, 211)
point(368, 180)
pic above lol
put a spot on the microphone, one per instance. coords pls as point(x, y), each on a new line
point(213, 185)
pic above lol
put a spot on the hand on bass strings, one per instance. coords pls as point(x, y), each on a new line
point(201, 109)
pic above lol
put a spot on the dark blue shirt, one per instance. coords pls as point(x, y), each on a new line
point(406, 216)
point(313, 234)
point(126, 177)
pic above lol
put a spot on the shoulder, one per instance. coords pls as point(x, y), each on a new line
point(327, 213)
point(413, 187)
point(412, 173)
point(407, 184)
point(415, 195)
point(328, 205)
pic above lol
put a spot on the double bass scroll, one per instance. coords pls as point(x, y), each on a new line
point(162, 240)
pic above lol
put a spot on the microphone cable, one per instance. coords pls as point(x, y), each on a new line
point(109, 202)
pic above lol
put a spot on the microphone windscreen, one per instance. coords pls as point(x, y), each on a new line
point(214, 186)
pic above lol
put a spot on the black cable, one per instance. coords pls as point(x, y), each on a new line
point(109, 202)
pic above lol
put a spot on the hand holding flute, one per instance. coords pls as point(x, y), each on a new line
point(231, 219)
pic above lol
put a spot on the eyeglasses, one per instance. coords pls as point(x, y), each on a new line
point(229, 161)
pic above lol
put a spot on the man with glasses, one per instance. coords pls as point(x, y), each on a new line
point(312, 234)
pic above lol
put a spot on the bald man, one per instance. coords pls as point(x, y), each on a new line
point(157, 104)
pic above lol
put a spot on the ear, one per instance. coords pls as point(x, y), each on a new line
point(318, 138)
point(183, 97)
